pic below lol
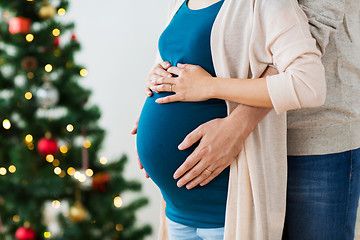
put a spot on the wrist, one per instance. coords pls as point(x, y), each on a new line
point(211, 87)
point(247, 118)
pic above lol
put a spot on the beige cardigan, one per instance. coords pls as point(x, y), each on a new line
point(247, 36)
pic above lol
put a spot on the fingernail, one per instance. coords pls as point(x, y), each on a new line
point(175, 176)
point(179, 183)
point(189, 186)
point(169, 75)
point(180, 146)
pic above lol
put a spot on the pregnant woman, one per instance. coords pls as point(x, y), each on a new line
point(162, 127)
point(231, 42)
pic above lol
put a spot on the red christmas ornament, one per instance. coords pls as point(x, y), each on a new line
point(24, 233)
point(56, 41)
point(47, 146)
point(73, 37)
point(100, 181)
point(19, 25)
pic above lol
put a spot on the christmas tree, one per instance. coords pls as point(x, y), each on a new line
point(50, 137)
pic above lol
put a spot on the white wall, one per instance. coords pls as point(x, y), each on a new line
point(119, 40)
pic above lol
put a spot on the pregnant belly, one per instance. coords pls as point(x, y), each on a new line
point(162, 127)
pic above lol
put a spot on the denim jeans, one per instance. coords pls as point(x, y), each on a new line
point(179, 231)
point(322, 196)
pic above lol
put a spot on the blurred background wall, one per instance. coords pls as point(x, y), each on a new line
point(119, 40)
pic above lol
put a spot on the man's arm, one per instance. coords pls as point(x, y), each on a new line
point(324, 16)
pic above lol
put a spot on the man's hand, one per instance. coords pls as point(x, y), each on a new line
point(221, 141)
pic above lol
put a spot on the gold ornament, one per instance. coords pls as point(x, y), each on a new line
point(47, 11)
point(78, 212)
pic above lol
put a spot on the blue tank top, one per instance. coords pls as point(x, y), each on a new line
point(162, 127)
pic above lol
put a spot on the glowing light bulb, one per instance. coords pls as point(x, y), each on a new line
point(56, 32)
point(28, 95)
point(119, 227)
point(29, 37)
point(48, 68)
point(16, 218)
point(12, 169)
point(57, 170)
point(82, 178)
point(3, 171)
point(47, 234)
point(77, 175)
point(56, 204)
point(70, 128)
point(29, 138)
point(71, 171)
point(6, 124)
point(87, 144)
point(103, 160)
point(61, 11)
point(89, 172)
point(50, 158)
point(83, 72)
point(118, 202)
point(63, 149)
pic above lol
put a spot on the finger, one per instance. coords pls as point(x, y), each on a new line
point(213, 175)
point(199, 179)
point(195, 172)
point(163, 80)
point(163, 88)
point(168, 99)
point(137, 157)
point(139, 162)
point(190, 162)
point(134, 130)
point(184, 66)
point(160, 71)
point(175, 70)
point(165, 65)
point(191, 139)
point(148, 92)
point(149, 84)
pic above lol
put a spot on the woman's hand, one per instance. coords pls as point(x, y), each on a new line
point(192, 84)
point(134, 132)
point(157, 72)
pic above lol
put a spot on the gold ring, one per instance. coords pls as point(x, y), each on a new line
point(171, 87)
point(207, 170)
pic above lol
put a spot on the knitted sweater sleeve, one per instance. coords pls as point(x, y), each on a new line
point(324, 16)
